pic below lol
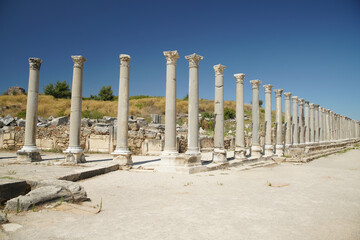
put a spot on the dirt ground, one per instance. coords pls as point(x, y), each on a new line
point(316, 200)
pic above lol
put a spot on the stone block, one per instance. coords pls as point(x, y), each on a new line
point(10, 188)
point(99, 143)
point(59, 121)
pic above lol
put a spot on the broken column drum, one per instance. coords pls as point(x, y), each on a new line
point(29, 152)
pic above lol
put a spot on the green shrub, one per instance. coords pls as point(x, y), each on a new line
point(229, 113)
point(92, 114)
point(21, 114)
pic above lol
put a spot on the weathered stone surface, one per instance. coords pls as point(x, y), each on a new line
point(109, 119)
point(15, 91)
point(42, 120)
point(85, 122)
point(101, 128)
point(20, 122)
point(45, 191)
point(10, 188)
point(3, 218)
point(8, 120)
point(59, 121)
point(134, 127)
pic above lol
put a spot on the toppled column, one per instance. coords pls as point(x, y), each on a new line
point(29, 152)
point(316, 129)
point(240, 136)
point(122, 154)
point(279, 144)
point(301, 120)
point(287, 119)
point(295, 120)
point(170, 104)
point(256, 149)
point(219, 149)
point(193, 116)
point(269, 148)
point(74, 153)
point(307, 122)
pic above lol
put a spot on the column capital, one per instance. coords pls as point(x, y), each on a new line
point(307, 103)
point(268, 88)
point(239, 77)
point(35, 63)
point(301, 101)
point(171, 56)
point(278, 92)
point(219, 69)
point(78, 61)
point(295, 98)
point(287, 95)
point(194, 59)
point(124, 60)
point(255, 83)
point(316, 106)
point(312, 105)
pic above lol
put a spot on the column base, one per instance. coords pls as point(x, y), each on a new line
point(269, 150)
point(256, 151)
point(279, 150)
point(123, 157)
point(219, 155)
point(74, 155)
point(28, 154)
point(240, 153)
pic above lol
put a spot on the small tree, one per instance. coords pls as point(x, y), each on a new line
point(61, 90)
point(106, 94)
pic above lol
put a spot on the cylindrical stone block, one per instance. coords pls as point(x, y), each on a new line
point(256, 149)
point(240, 136)
point(269, 149)
point(287, 118)
point(279, 143)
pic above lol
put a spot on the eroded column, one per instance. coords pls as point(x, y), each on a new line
point(287, 119)
point(255, 144)
point(219, 150)
point(29, 152)
point(279, 143)
point(321, 124)
point(170, 104)
point(307, 122)
point(122, 154)
point(74, 153)
point(301, 121)
point(312, 122)
point(269, 148)
point(240, 136)
point(193, 108)
point(295, 125)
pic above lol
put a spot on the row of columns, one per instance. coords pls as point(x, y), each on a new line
point(308, 124)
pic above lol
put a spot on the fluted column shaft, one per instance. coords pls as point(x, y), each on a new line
point(295, 129)
point(255, 145)
point(193, 109)
point(269, 149)
point(307, 122)
point(287, 119)
point(170, 103)
point(240, 136)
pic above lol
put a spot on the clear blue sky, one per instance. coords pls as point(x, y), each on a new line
point(310, 48)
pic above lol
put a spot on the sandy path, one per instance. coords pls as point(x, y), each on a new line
point(317, 200)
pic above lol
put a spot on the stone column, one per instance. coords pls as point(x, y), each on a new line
point(287, 119)
point(74, 152)
point(219, 150)
point(193, 108)
point(312, 123)
point(279, 143)
point(269, 148)
point(307, 122)
point(240, 136)
point(256, 149)
point(316, 129)
point(29, 152)
point(320, 124)
point(295, 129)
point(170, 104)
point(301, 120)
point(122, 154)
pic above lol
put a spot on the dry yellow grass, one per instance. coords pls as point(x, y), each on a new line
point(50, 106)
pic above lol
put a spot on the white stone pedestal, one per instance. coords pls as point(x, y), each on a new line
point(219, 155)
